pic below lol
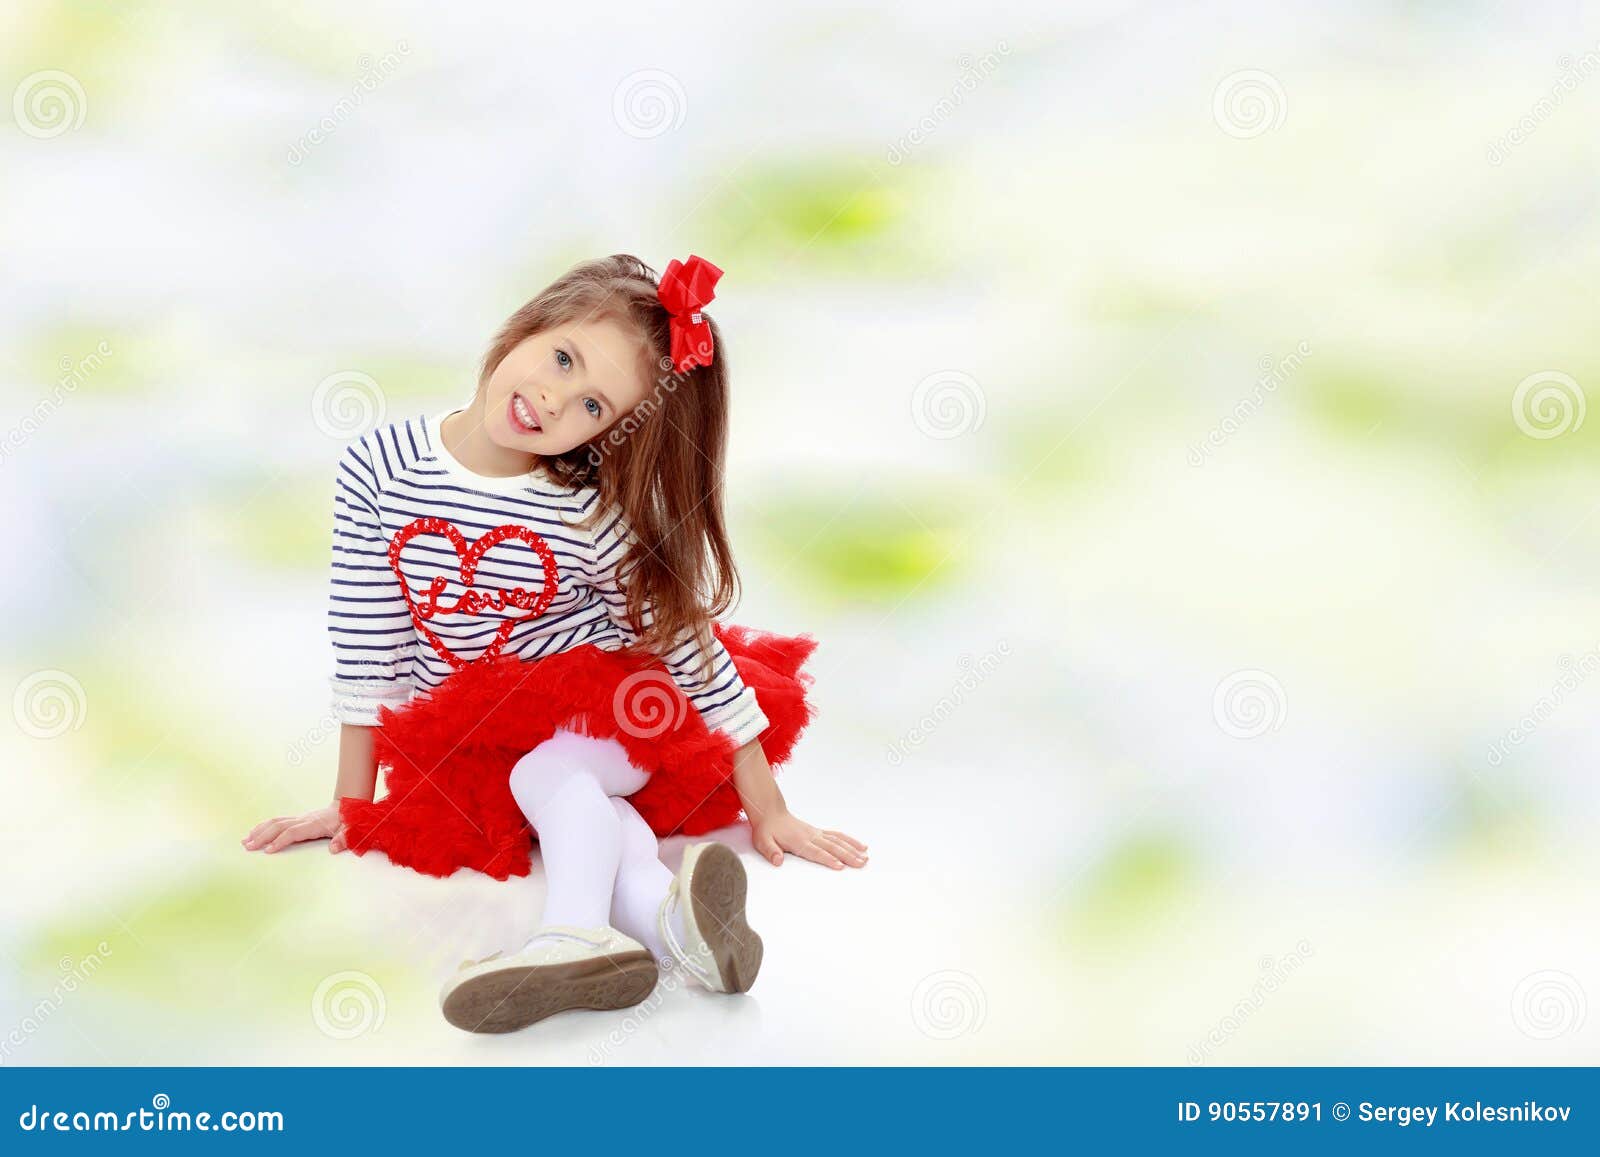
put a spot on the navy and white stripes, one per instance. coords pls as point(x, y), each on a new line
point(400, 473)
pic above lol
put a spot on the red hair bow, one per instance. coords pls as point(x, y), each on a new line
point(685, 289)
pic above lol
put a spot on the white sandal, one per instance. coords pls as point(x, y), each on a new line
point(723, 952)
point(562, 967)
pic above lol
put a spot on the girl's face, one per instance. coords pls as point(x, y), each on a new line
point(564, 387)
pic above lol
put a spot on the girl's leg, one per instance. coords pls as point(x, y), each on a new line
point(721, 950)
point(642, 883)
point(604, 871)
point(563, 787)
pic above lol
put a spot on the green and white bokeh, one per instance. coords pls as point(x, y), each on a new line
point(1173, 424)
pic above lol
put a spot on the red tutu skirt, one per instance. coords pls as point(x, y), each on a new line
point(447, 757)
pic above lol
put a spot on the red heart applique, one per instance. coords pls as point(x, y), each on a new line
point(473, 602)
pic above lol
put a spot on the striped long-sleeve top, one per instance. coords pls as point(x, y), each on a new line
point(434, 565)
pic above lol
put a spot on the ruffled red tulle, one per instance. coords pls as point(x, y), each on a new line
point(447, 757)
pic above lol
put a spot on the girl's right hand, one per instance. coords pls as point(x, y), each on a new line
point(276, 834)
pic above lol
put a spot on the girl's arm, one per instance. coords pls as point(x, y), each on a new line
point(358, 777)
point(774, 829)
point(358, 766)
point(369, 623)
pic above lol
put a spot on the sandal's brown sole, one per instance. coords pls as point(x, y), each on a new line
point(718, 895)
point(513, 998)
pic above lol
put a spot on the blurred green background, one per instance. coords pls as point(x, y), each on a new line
point(1172, 423)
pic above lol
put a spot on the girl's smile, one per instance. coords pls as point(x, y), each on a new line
point(521, 416)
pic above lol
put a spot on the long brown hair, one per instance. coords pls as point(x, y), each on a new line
point(660, 465)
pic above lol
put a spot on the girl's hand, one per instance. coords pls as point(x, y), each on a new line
point(779, 832)
point(276, 834)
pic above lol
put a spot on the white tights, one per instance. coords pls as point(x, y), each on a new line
point(601, 860)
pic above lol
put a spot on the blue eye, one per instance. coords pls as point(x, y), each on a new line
point(596, 406)
point(563, 359)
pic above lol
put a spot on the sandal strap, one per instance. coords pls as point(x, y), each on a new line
point(669, 904)
point(568, 932)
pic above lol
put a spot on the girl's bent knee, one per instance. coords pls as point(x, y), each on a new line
point(538, 776)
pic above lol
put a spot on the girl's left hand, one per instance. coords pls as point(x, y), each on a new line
point(779, 832)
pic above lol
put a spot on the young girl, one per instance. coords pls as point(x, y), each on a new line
point(523, 614)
